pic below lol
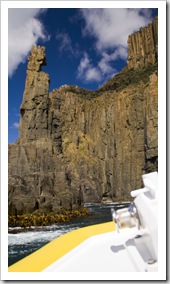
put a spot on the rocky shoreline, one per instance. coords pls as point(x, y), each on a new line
point(32, 222)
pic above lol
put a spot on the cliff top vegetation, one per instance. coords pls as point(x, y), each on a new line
point(117, 83)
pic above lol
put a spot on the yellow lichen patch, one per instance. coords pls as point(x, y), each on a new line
point(29, 220)
point(83, 149)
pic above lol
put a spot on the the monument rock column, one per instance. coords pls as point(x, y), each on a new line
point(34, 107)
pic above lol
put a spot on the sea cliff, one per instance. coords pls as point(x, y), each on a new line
point(77, 146)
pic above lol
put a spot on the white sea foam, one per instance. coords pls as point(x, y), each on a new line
point(24, 243)
point(37, 236)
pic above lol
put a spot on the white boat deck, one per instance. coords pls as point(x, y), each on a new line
point(109, 252)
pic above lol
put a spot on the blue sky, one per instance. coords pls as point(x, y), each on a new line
point(84, 47)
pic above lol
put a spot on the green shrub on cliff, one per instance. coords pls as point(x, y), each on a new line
point(127, 77)
point(118, 82)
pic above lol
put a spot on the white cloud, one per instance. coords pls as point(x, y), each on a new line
point(84, 65)
point(105, 64)
point(103, 69)
point(87, 71)
point(93, 74)
point(66, 44)
point(110, 29)
point(15, 125)
point(65, 41)
point(24, 30)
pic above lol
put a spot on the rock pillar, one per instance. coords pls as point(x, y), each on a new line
point(34, 107)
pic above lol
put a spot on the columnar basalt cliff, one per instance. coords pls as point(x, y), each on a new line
point(143, 46)
point(78, 146)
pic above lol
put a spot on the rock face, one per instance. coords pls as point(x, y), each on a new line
point(34, 108)
point(78, 146)
point(143, 46)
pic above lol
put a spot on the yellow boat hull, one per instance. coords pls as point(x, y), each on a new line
point(45, 256)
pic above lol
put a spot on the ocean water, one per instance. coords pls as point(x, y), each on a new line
point(23, 244)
